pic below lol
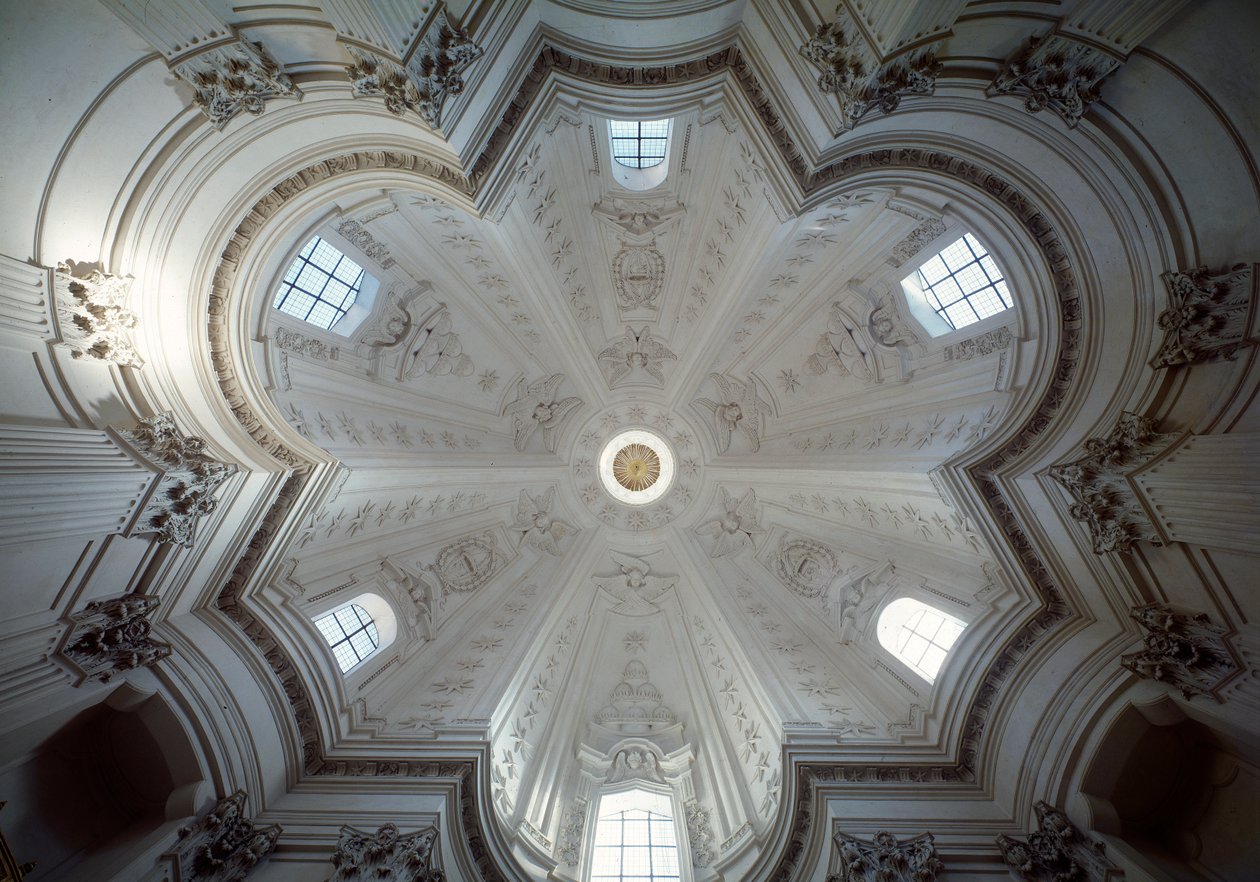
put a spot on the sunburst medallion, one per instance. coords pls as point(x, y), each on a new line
point(636, 467)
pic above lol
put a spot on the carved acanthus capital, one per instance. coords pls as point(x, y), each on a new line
point(386, 854)
point(223, 845)
point(108, 637)
point(188, 479)
point(1057, 851)
point(432, 72)
point(1100, 484)
point(236, 76)
point(1186, 651)
point(885, 859)
point(92, 314)
point(374, 75)
point(1209, 317)
point(858, 83)
point(1057, 72)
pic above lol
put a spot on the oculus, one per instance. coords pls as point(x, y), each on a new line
point(636, 467)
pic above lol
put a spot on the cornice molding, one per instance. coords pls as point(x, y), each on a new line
point(812, 183)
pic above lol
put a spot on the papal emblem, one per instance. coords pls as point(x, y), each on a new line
point(638, 274)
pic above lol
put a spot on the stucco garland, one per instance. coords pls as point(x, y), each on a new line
point(830, 177)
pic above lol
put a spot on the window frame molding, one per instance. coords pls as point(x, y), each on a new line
point(639, 179)
point(996, 238)
point(891, 657)
point(596, 769)
point(384, 617)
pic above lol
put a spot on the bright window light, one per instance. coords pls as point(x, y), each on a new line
point(639, 144)
point(963, 284)
point(351, 633)
point(918, 634)
point(635, 839)
point(320, 286)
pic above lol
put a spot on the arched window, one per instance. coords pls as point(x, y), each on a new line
point(918, 634)
point(320, 286)
point(639, 144)
point(962, 283)
point(635, 838)
point(351, 633)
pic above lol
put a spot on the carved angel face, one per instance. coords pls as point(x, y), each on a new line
point(730, 413)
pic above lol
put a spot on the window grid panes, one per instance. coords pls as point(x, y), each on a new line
point(320, 286)
point(351, 633)
point(963, 283)
point(926, 638)
point(639, 144)
point(635, 845)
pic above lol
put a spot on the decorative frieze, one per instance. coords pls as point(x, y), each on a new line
point(386, 854)
point(1210, 315)
point(916, 240)
point(232, 77)
point(536, 407)
point(92, 316)
point(1056, 72)
point(355, 233)
point(300, 344)
point(1057, 851)
point(187, 479)
point(221, 846)
point(699, 833)
point(984, 344)
point(886, 859)
point(1099, 482)
point(432, 72)
point(1185, 651)
point(572, 827)
point(108, 637)
point(847, 71)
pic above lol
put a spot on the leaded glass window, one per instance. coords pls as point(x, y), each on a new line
point(918, 634)
point(635, 839)
point(320, 285)
point(963, 283)
point(639, 144)
point(351, 633)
